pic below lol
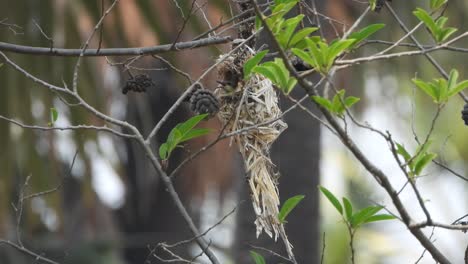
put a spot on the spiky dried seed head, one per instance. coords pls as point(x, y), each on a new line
point(140, 83)
point(464, 113)
point(204, 102)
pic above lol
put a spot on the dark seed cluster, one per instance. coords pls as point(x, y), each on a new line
point(139, 84)
point(204, 102)
point(465, 114)
point(379, 4)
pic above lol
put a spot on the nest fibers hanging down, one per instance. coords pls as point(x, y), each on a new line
point(247, 103)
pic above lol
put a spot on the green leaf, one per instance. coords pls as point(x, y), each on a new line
point(288, 30)
point(301, 35)
point(163, 154)
point(423, 161)
point(446, 33)
point(194, 133)
point(258, 23)
point(372, 4)
point(348, 208)
point(182, 132)
point(364, 33)
point(282, 72)
point(288, 206)
point(258, 259)
point(360, 217)
point(458, 88)
point(325, 103)
point(427, 88)
point(191, 123)
point(436, 4)
point(252, 62)
point(336, 49)
point(427, 19)
point(53, 115)
point(291, 84)
point(337, 105)
point(304, 56)
point(268, 72)
point(380, 217)
point(332, 199)
point(403, 152)
point(452, 80)
point(351, 100)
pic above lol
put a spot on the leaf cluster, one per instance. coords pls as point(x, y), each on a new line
point(415, 164)
point(439, 32)
point(440, 89)
point(338, 104)
point(182, 132)
point(358, 218)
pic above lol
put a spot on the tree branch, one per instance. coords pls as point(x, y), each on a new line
point(43, 51)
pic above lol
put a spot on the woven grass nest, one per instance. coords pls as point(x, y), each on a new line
point(247, 103)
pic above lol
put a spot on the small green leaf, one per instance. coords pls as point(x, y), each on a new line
point(325, 103)
point(428, 89)
point(268, 72)
point(252, 62)
point(446, 33)
point(258, 259)
point(191, 123)
point(281, 72)
point(372, 4)
point(182, 132)
point(258, 23)
point(348, 208)
point(288, 30)
point(336, 49)
point(53, 115)
point(163, 151)
point(361, 216)
point(351, 100)
point(301, 35)
point(380, 217)
point(291, 84)
point(337, 105)
point(288, 206)
point(194, 133)
point(332, 199)
point(427, 19)
point(458, 88)
point(304, 56)
point(423, 161)
point(436, 4)
point(364, 33)
point(452, 80)
point(403, 152)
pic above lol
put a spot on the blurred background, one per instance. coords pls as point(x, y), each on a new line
point(111, 207)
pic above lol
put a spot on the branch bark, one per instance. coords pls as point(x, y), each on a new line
point(60, 52)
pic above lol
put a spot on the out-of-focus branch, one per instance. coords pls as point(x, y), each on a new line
point(27, 252)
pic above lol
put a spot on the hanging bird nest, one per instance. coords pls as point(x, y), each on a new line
point(247, 103)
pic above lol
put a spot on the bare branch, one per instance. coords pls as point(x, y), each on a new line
point(159, 49)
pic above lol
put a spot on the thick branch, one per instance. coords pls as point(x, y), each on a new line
point(8, 47)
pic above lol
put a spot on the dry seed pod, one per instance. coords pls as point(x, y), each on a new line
point(465, 114)
point(138, 84)
point(204, 102)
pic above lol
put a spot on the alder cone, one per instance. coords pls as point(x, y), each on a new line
point(204, 102)
point(379, 4)
point(465, 114)
point(139, 84)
